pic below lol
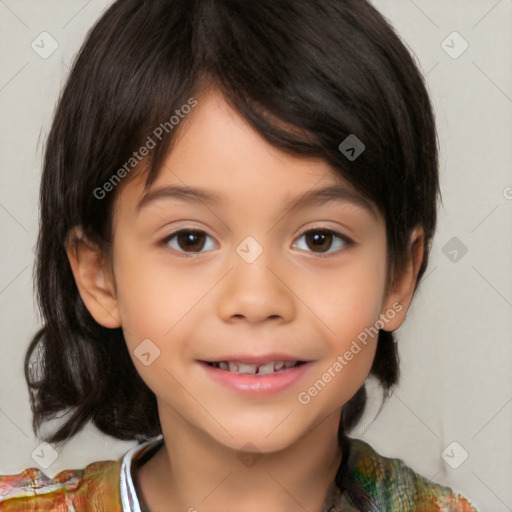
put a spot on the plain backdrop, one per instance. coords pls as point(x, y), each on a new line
point(450, 419)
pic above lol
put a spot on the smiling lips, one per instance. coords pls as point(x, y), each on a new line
point(255, 376)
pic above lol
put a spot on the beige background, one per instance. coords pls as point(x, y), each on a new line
point(456, 345)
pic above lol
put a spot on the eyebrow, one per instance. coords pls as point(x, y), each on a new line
point(312, 197)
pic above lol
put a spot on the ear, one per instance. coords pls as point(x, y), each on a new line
point(94, 279)
point(401, 291)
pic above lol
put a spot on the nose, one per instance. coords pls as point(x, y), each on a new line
point(255, 292)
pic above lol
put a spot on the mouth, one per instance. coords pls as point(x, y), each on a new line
point(268, 368)
point(257, 376)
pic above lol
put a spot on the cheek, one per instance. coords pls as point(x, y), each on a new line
point(154, 304)
point(348, 299)
point(350, 345)
point(145, 297)
point(357, 308)
point(157, 300)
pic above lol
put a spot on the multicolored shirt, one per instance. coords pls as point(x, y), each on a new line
point(365, 482)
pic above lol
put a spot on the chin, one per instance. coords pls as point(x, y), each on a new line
point(262, 439)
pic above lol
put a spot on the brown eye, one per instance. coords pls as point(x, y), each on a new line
point(188, 240)
point(321, 241)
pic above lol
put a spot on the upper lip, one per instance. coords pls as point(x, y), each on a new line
point(262, 359)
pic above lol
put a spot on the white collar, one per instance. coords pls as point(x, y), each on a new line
point(129, 499)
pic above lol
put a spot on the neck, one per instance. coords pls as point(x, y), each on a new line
point(193, 472)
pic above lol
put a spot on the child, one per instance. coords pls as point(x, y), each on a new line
point(237, 203)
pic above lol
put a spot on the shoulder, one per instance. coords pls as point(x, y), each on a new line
point(95, 487)
point(393, 486)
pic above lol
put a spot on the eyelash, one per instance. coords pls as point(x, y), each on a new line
point(347, 242)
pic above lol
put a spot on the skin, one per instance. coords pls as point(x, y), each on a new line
point(203, 305)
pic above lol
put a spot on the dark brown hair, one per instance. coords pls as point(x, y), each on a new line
point(306, 74)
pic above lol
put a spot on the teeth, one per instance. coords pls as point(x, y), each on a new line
point(255, 369)
point(267, 369)
point(245, 368)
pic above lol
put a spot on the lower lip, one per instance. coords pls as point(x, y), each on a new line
point(257, 385)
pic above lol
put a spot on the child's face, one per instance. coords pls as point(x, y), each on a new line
point(226, 302)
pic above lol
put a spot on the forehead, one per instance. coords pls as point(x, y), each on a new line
point(215, 138)
point(218, 157)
